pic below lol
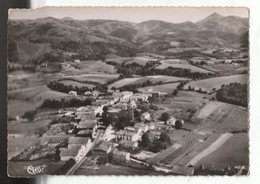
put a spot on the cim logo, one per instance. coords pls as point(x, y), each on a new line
point(35, 170)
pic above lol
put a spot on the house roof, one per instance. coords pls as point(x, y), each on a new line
point(127, 143)
point(86, 126)
point(74, 146)
point(140, 125)
point(84, 132)
point(68, 152)
point(78, 140)
point(103, 146)
point(86, 121)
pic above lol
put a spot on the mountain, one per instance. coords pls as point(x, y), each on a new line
point(50, 39)
point(231, 24)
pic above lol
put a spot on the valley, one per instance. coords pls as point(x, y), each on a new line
point(149, 98)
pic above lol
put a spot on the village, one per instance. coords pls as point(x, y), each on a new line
point(147, 102)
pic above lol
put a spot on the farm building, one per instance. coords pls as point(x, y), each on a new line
point(73, 93)
point(145, 117)
point(120, 156)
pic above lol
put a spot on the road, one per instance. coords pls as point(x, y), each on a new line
point(79, 162)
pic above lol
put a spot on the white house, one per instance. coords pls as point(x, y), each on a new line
point(145, 117)
point(73, 93)
point(127, 135)
point(171, 121)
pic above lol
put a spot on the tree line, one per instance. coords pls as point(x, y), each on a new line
point(58, 86)
point(233, 93)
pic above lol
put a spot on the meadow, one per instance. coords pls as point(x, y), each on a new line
point(153, 79)
point(217, 82)
point(184, 66)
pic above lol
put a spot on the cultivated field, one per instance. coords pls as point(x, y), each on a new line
point(234, 152)
point(35, 94)
point(184, 66)
point(168, 88)
point(91, 67)
point(217, 82)
point(98, 78)
point(154, 79)
point(223, 68)
point(119, 60)
point(74, 83)
point(140, 60)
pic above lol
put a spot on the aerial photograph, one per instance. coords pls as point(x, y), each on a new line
point(158, 91)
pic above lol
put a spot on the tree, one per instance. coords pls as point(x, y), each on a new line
point(164, 116)
point(105, 109)
point(145, 140)
point(164, 137)
point(178, 124)
point(175, 92)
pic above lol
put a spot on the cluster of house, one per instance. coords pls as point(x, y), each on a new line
point(86, 124)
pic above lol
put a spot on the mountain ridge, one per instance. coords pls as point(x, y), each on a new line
point(96, 37)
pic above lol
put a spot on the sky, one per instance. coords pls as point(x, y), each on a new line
point(173, 14)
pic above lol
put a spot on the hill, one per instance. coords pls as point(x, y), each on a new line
point(93, 39)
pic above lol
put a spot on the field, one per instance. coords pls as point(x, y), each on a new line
point(168, 88)
point(217, 82)
point(35, 93)
point(119, 60)
point(18, 143)
point(98, 78)
point(223, 68)
point(237, 120)
point(173, 61)
point(74, 84)
point(139, 80)
point(19, 107)
point(91, 67)
point(184, 66)
point(140, 60)
point(233, 152)
point(207, 110)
